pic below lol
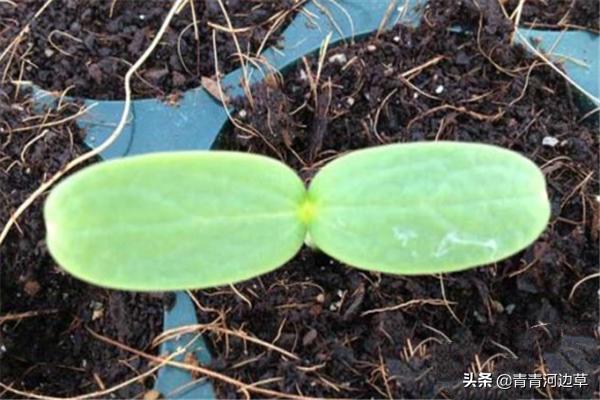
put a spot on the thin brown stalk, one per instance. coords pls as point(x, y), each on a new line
point(169, 334)
point(386, 16)
point(202, 370)
point(25, 315)
point(414, 302)
point(246, 79)
point(580, 282)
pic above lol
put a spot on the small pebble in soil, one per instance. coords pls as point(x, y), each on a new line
point(497, 306)
point(152, 395)
point(479, 317)
point(338, 304)
point(439, 89)
point(96, 305)
point(31, 288)
point(550, 141)
point(97, 314)
point(310, 337)
point(338, 58)
point(371, 48)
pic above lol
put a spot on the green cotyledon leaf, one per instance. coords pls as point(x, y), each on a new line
point(425, 208)
point(180, 220)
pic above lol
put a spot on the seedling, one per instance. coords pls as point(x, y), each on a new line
point(170, 221)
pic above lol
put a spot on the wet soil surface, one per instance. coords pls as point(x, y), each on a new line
point(360, 335)
point(559, 14)
point(90, 45)
point(45, 345)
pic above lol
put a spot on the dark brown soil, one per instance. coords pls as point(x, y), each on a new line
point(52, 353)
point(559, 14)
point(327, 313)
point(83, 45)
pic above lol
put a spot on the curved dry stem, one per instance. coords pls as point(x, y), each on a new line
point(587, 278)
point(171, 333)
point(414, 302)
point(205, 371)
point(248, 129)
point(246, 83)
